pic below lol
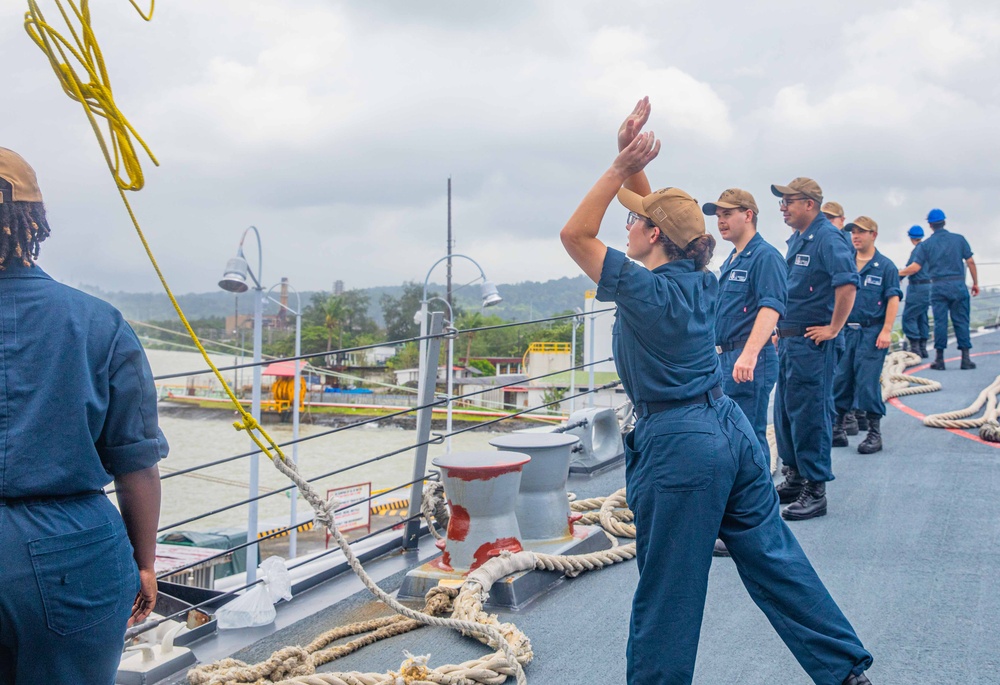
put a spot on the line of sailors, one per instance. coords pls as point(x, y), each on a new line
point(831, 303)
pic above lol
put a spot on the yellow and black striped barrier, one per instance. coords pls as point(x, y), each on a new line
point(301, 528)
point(393, 507)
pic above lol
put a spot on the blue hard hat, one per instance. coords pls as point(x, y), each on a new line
point(935, 216)
point(915, 232)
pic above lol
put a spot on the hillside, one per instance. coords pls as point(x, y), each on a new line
point(521, 301)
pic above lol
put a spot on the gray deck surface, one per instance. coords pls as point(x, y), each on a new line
point(910, 550)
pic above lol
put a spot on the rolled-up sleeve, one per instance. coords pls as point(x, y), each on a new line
point(131, 439)
point(890, 283)
point(839, 262)
point(611, 273)
point(634, 288)
point(771, 282)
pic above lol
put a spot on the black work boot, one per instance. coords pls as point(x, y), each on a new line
point(850, 425)
point(859, 679)
point(720, 549)
point(839, 433)
point(923, 348)
point(912, 345)
point(966, 362)
point(938, 362)
point(873, 441)
point(862, 420)
point(790, 488)
point(810, 504)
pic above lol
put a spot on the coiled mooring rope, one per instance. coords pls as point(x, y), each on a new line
point(989, 429)
point(896, 384)
point(297, 664)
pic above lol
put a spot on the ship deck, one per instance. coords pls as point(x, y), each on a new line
point(909, 550)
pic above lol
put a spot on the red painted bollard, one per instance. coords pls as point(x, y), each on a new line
point(481, 488)
point(542, 505)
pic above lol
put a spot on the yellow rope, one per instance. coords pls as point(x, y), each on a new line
point(94, 93)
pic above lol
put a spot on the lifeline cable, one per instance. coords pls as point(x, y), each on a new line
point(97, 100)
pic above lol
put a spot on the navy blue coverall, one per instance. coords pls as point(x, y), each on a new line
point(942, 259)
point(857, 385)
point(694, 470)
point(755, 278)
point(77, 408)
point(916, 325)
point(818, 262)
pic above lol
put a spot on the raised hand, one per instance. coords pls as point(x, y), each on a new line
point(633, 123)
point(640, 152)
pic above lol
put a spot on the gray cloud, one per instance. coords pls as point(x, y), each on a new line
point(333, 126)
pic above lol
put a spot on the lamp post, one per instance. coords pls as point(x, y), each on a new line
point(572, 363)
point(593, 325)
point(490, 297)
point(293, 534)
point(451, 364)
point(234, 280)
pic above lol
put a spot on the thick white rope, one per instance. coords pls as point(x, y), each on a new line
point(295, 665)
point(897, 384)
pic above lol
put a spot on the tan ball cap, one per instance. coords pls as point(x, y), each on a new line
point(832, 209)
point(672, 210)
point(800, 186)
point(864, 223)
point(734, 198)
point(20, 175)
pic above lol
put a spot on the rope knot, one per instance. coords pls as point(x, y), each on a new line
point(414, 669)
point(249, 423)
point(290, 663)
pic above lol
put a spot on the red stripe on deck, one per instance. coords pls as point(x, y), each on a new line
point(898, 404)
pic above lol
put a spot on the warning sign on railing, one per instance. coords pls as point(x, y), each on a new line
point(352, 517)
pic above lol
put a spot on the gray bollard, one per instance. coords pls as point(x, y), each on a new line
point(481, 488)
point(542, 506)
point(600, 438)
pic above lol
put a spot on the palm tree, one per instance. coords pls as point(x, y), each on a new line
point(470, 320)
point(333, 313)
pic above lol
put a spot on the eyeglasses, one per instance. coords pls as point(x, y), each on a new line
point(633, 217)
point(784, 202)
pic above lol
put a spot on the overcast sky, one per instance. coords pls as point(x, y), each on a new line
point(333, 127)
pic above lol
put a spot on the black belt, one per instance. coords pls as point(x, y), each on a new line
point(644, 409)
point(947, 278)
point(732, 345)
point(48, 499)
point(923, 282)
point(795, 331)
point(866, 323)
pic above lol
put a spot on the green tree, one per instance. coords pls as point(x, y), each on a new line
point(398, 311)
point(334, 313)
point(483, 365)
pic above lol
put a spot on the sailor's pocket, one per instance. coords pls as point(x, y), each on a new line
point(682, 456)
point(807, 360)
point(80, 577)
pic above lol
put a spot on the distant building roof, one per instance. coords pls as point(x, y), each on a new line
point(502, 379)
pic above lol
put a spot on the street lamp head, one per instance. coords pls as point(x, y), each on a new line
point(234, 279)
point(490, 295)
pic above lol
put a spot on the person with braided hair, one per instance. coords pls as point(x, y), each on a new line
point(22, 227)
point(694, 468)
point(77, 410)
